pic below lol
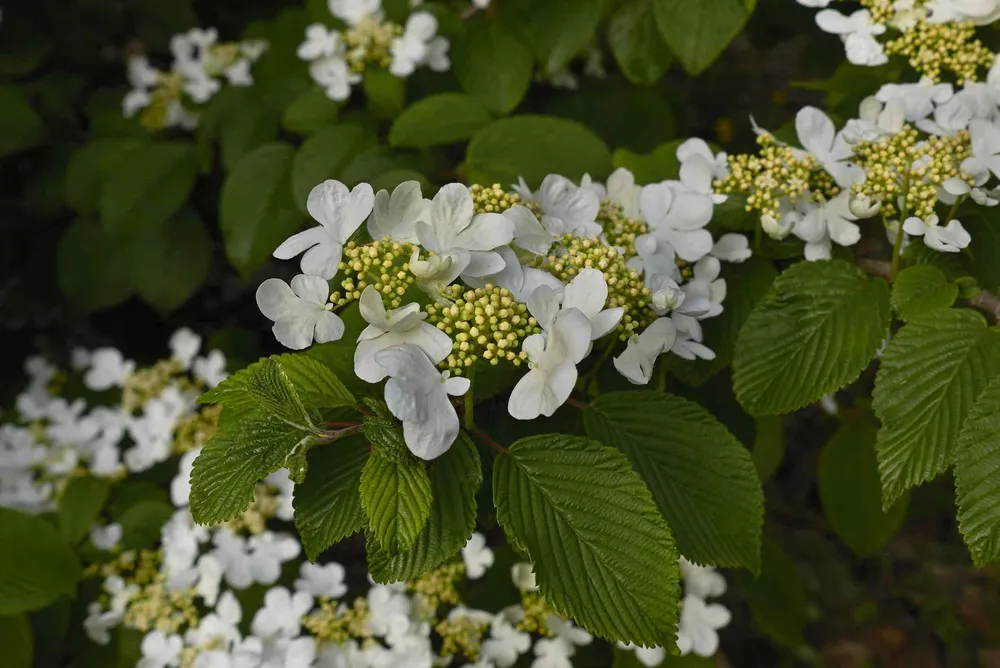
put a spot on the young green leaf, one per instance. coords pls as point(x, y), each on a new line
point(325, 155)
point(79, 506)
point(602, 553)
point(396, 498)
point(701, 477)
point(17, 641)
point(455, 478)
point(36, 564)
point(636, 43)
point(813, 333)
point(920, 289)
point(328, 505)
point(698, 32)
point(850, 490)
point(314, 382)
point(446, 118)
point(777, 598)
point(977, 460)
point(931, 373)
point(492, 65)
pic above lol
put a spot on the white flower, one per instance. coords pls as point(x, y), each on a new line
point(826, 222)
point(106, 537)
point(588, 293)
point(701, 581)
point(552, 357)
point(322, 580)
point(282, 613)
point(301, 312)
point(392, 328)
point(396, 215)
point(523, 576)
point(321, 42)
point(99, 622)
point(255, 560)
point(698, 146)
point(184, 346)
point(210, 369)
point(453, 230)
point(529, 233)
point(417, 394)
point(160, 650)
point(637, 361)
point(875, 121)
point(918, 99)
point(335, 75)
point(955, 187)
point(985, 139)
point(217, 628)
point(980, 12)
point(815, 3)
point(556, 651)
point(152, 432)
point(864, 206)
point(705, 292)
point(477, 555)
point(678, 215)
point(505, 644)
point(688, 344)
point(352, 12)
point(731, 248)
point(417, 45)
point(623, 191)
point(284, 489)
point(819, 137)
point(180, 486)
point(108, 368)
point(566, 207)
point(209, 578)
point(340, 212)
point(858, 32)
point(948, 239)
point(388, 613)
point(699, 625)
point(647, 656)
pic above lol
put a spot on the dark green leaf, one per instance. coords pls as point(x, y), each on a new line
point(660, 165)
point(36, 565)
point(769, 446)
point(324, 156)
point(977, 460)
point(920, 289)
point(492, 65)
point(559, 30)
point(141, 524)
point(79, 506)
point(385, 93)
point(17, 642)
point(95, 271)
point(160, 251)
point(636, 43)
point(21, 127)
point(699, 32)
point(396, 498)
point(310, 112)
point(446, 118)
point(88, 169)
point(776, 597)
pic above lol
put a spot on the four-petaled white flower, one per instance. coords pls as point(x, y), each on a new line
point(820, 138)
point(985, 158)
point(300, 312)
point(588, 293)
point(566, 207)
point(322, 580)
point(556, 651)
point(950, 238)
point(396, 215)
point(505, 644)
point(282, 613)
point(106, 537)
point(160, 650)
point(340, 212)
point(827, 222)
point(702, 581)
point(388, 613)
point(417, 393)
point(647, 656)
point(108, 368)
point(418, 45)
point(321, 42)
point(678, 215)
point(637, 361)
point(699, 625)
point(858, 32)
point(352, 12)
point(184, 346)
point(477, 555)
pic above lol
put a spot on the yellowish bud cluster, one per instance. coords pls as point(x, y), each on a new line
point(338, 624)
point(168, 90)
point(368, 43)
point(486, 322)
point(382, 263)
point(145, 384)
point(195, 430)
point(935, 47)
point(882, 11)
point(263, 507)
point(536, 613)
point(461, 637)
point(437, 587)
point(492, 199)
point(902, 165)
point(618, 229)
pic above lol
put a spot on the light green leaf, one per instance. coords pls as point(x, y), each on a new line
point(324, 156)
point(147, 186)
point(931, 374)
point(310, 112)
point(266, 386)
point(660, 165)
point(396, 498)
point(256, 212)
point(328, 505)
point(455, 478)
point(157, 253)
point(141, 524)
point(21, 127)
point(777, 598)
point(492, 65)
point(977, 462)
point(534, 147)
point(699, 32)
point(701, 477)
point(36, 564)
point(559, 30)
point(851, 492)
point(813, 333)
point(386, 435)
point(608, 528)
point(445, 118)
point(920, 289)
point(79, 505)
point(769, 446)
point(636, 43)
point(314, 382)
point(17, 641)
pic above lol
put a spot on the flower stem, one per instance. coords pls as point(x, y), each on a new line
point(470, 402)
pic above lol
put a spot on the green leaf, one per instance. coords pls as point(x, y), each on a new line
point(559, 30)
point(392, 178)
point(985, 246)
point(142, 523)
point(699, 32)
point(316, 384)
point(851, 492)
point(701, 477)
point(436, 120)
point(386, 435)
point(88, 169)
point(769, 446)
point(157, 253)
point(608, 528)
point(396, 498)
point(492, 65)
point(455, 478)
point(534, 147)
point(310, 112)
point(17, 641)
point(36, 564)
point(977, 460)
point(147, 186)
point(266, 385)
point(327, 505)
point(777, 598)
point(660, 165)
point(813, 333)
point(931, 374)
point(920, 289)
point(385, 93)
point(636, 44)
point(79, 506)
point(21, 127)
point(324, 156)
point(94, 271)
point(247, 128)
point(256, 212)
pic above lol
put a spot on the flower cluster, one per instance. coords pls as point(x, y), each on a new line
point(338, 59)
point(480, 277)
point(201, 64)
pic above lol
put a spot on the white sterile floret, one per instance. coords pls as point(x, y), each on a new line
point(699, 625)
point(637, 361)
point(875, 120)
point(954, 188)
point(321, 42)
point(815, 3)
point(858, 32)
point(477, 556)
point(322, 580)
point(335, 75)
point(340, 212)
point(417, 393)
point(688, 343)
point(820, 138)
point(529, 233)
point(106, 537)
point(552, 357)
point(950, 238)
point(979, 12)
point(184, 346)
point(387, 328)
point(219, 628)
point(985, 139)
point(647, 656)
point(180, 486)
point(588, 293)
point(211, 368)
point(388, 612)
point(505, 645)
point(566, 207)
point(282, 613)
point(678, 216)
point(702, 581)
point(918, 99)
point(396, 215)
point(108, 368)
point(557, 650)
point(300, 312)
point(254, 560)
point(523, 577)
point(827, 222)
point(352, 12)
point(160, 650)
point(731, 248)
point(621, 189)
point(141, 76)
point(418, 45)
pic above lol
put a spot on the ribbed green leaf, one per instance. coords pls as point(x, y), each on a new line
point(701, 477)
point(813, 333)
point(314, 382)
point(698, 32)
point(327, 504)
point(79, 505)
point(602, 553)
point(931, 373)
point(455, 478)
point(36, 565)
point(445, 118)
point(396, 498)
point(977, 477)
point(636, 44)
point(920, 289)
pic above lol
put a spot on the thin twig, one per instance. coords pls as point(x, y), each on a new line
point(332, 436)
point(489, 440)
